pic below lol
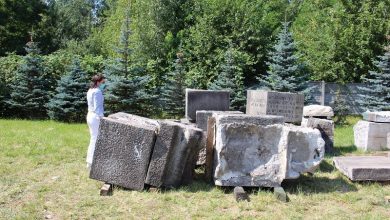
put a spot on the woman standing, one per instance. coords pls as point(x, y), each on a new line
point(95, 112)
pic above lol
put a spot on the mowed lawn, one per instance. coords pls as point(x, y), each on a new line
point(43, 175)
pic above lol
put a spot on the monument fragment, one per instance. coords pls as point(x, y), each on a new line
point(371, 136)
point(318, 111)
point(289, 105)
point(364, 168)
point(205, 100)
point(326, 127)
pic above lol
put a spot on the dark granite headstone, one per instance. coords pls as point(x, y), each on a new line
point(289, 105)
point(205, 100)
point(123, 150)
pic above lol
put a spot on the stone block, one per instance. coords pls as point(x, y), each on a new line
point(364, 168)
point(205, 100)
point(318, 111)
point(280, 194)
point(202, 117)
point(240, 194)
point(123, 150)
point(262, 151)
point(326, 128)
point(289, 105)
point(174, 154)
point(371, 136)
point(388, 140)
point(383, 117)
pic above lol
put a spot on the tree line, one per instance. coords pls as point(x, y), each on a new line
point(151, 49)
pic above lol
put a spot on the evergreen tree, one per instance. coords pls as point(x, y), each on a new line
point(231, 79)
point(69, 104)
point(29, 92)
point(285, 72)
point(173, 92)
point(128, 88)
point(377, 94)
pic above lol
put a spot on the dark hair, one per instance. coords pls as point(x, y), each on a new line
point(95, 79)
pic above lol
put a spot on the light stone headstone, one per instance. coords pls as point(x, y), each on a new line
point(289, 105)
point(123, 150)
point(364, 168)
point(382, 117)
point(371, 136)
point(205, 100)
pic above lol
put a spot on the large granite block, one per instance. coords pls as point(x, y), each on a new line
point(261, 151)
point(326, 128)
point(123, 150)
point(289, 105)
point(202, 116)
point(318, 111)
point(361, 168)
point(371, 136)
point(205, 100)
point(174, 155)
point(383, 117)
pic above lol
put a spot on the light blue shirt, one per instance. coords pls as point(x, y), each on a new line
point(95, 101)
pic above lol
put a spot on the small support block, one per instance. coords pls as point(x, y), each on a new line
point(280, 194)
point(106, 189)
point(387, 200)
point(240, 194)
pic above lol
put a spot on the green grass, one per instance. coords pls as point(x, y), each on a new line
point(43, 173)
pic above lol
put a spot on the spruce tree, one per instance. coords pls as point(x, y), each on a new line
point(231, 78)
point(69, 104)
point(30, 90)
point(285, 72)
point(127, 89)
point(377, 93)
point(173, 91)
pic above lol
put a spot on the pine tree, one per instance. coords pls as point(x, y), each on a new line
point(377, 94)
point(231, 79)
point(127, 89)
point(30, 90)
point(173, 91)
point(69, 104)
point(285, 72)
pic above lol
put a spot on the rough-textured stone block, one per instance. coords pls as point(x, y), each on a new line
point(280, 194)
point(383, 116)
point(289, 105)
point(318, 111)
point(210, 145)
point(202, 117)
point(123, 150)
point(326, 128)
point(388, 140)
point(371, 136)
point(361, 168)
point(205, 100)
point(262, 151)
point(174, 154)
point(240, 194)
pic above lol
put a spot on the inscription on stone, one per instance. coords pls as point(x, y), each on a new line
point(289, 105)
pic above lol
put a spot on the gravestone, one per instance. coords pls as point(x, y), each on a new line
point(205, 100)
point(326, 128)
point(364, 168)
point(381, 117)
point(174, 154)
point(371, 136)
point(262, 151)
point(289, 105)
point(123, 150)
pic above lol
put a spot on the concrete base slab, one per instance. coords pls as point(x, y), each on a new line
point(363, 168)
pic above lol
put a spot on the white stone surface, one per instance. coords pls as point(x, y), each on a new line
point(317, 111)
point(259, 153)
point(383, 116)
point(371, 136)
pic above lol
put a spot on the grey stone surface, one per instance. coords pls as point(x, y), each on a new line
point(326, 128)
point(318, 111)
point(289, 105)
point(383, 116)
point(361, 168)
point(123, 150)
point(240, 194)
point(205, 100)
point(371, 136)
point(388, 140)
point(174, 154)
point(280, 194)
point(202, 117)
point(262, 151)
